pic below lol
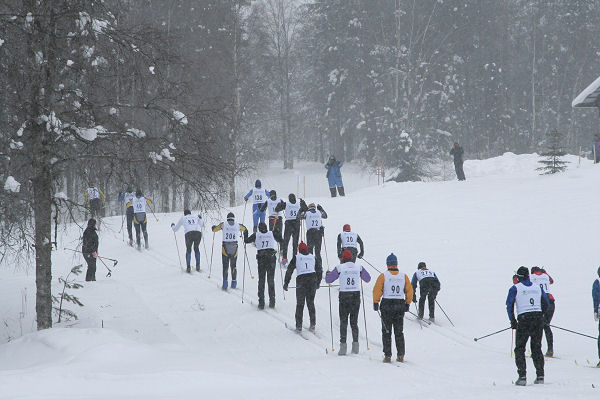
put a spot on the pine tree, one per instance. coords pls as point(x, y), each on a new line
point(552, 162)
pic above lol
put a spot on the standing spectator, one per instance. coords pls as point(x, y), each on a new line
point(596, 149)
point(334, 176)
point(89, 249)
point(457, 153)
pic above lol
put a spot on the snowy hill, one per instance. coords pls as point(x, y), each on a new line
point(153, 332)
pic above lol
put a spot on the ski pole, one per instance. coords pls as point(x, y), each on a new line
point(372, 266)
point(244, 278)
point(115, 262)
point(512, 338)
point(330, 319)
point(577, 333)
point(177, 246)
point(325, 244)
point(279, 268)
point(383, 323)
point(204, 244)
point(439, 305)
point(152, 209)
point(122, 221)
point(249, 268)
point(244, 217)
point(364, 313)
point(108, 275)
point(211, 256)
point(418, 319)
point(493, 333)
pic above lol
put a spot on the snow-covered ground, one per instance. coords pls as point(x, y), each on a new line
point(153, 332)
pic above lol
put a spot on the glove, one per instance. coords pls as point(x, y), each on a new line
point(406, 307)
point(319, 207)
point(95, 254)
point(596, 316)
point(414, 299)
point(245, 200)
point(213, 227)
point(376, 306)
point(514, 324)
point(172, 225)
point(360, 255)
point(339, 255)
point(285, 287)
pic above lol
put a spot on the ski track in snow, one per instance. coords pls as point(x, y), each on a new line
point(172, 335)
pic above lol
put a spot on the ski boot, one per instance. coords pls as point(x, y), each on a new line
point(233, 284)
point(198, 267)
point(539, 380)
point(432, 319)
point(224, 287)
point(261, 306)
point(271, 303)
point(387, 359)
point(550, 352)
point(312, 328)
point(343, 349)
point(400, 358)
point(130, 242)
point(522, 381)
point(341, 191)
point(355, 347)
point(333, 192)
point(188, 270)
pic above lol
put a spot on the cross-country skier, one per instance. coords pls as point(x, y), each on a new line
point(229, 250)
point(348, 240)
point(314, 229)
point(292, 209)
point(429, 285)
point(89, 249)
point(127, 198)
point(192, 225)
point(308, 277)
point(394, 290)
point(259, 196)
point(139, 216)
point(95, 199)
point(349, 275)
point(266, 257)
point(334, 176)
point(596, 300)
point(539, 276)
point(531, 302)
point(275, 217)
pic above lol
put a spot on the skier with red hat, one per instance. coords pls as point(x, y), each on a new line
point(349, 275)
point(348, 240)
point(308, 278)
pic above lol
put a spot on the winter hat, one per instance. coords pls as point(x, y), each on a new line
point(422, 265)
point(302, 247)
point(311, 206)
point(186, 212)
point(598, 271)
point(138, 193)
point(257, 184)
point(391, 260)
point(535, 269)
point(292, 198)
point(262, 227)
point(346, 255)
point(230, 216)
point(129, 189)
point(91, 223)
point(346, 228)
point(523, 273)
point(273, 194)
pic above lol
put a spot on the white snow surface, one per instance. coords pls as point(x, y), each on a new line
point(586, 92)
point(11, 185)
point(153, 332)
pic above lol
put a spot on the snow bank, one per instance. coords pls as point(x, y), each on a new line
point(11, 185)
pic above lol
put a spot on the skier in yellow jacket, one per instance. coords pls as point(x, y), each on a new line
point(395, 291)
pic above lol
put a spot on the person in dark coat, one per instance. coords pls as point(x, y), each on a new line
point(429, 285)
point(457, 153)
point(89, 249)
point(334, 176)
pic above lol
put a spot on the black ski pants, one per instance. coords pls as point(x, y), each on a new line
point(306, 288)
point(275, 224)
point(313, 240)
point(392, 318)
point(192, 238)
point(349, 306)
point(266, 269)
point(427, 291)
point(292, 230)
point(95, 208)
point(140, 224)
point(129, 216)
point(90, 274)
point(530, 327)
point(547, 330)
point(460, 173)
point(229, 252)
point(598, 339)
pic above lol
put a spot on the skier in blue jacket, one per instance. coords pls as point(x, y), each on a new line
point(334, 176)
point(259, 196)
point(596, 299)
